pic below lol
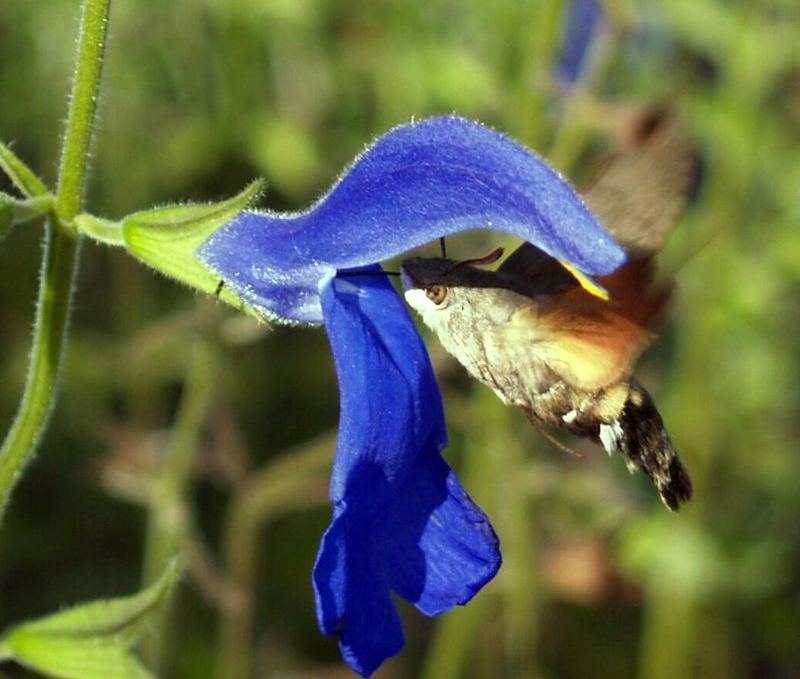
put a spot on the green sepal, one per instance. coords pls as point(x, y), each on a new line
point(89, 641)
point(167, 239)
point(19, 173)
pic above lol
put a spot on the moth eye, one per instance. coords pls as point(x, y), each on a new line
point(436, 293)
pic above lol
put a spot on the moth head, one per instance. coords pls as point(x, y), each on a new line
point(435, 287)
point(425, 285)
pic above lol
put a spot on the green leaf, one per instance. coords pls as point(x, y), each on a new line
point(89, 641)
point(78, 659)
point(167, 239)
point(19, 173)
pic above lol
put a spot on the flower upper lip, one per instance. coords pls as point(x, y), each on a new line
point(431, 178)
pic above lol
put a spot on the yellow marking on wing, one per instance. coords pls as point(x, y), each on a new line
point(587, 283)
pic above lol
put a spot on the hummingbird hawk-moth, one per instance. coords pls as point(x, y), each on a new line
point(544, 343)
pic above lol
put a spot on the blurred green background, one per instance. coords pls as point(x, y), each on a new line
point(183, 426)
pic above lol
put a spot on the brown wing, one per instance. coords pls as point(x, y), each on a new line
point(541, 272)
point(644, 188)
point(589, 342)
point(637, 197)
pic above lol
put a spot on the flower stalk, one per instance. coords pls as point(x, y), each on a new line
point(59, 256)
point(168, 520)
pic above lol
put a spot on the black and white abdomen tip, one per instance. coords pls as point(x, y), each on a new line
point(639, 435)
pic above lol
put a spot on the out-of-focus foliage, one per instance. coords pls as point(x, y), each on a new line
point(182, 424)
point(89, 641)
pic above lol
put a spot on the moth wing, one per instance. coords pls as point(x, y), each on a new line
point(541, 272)
point(644, 188)
point(588, 351)
point(589, 342)
point(638, 197)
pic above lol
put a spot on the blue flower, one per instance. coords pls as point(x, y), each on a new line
point(583, 21)
point(401, 522)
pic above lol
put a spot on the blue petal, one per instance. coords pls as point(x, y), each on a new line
point(583, 20)
point(436, 546)
point(389, 400)
point(400, 519)
point(353, 602)
point(416, 183)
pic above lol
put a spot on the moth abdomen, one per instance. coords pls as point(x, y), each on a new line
point(639, 434)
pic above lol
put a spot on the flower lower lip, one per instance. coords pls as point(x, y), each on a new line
point(401, 521)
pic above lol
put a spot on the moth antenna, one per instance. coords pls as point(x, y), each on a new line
point(537, 424)
point(220, 285)
point(443, 247)
point(491, 258)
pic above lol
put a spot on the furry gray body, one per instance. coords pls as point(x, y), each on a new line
point(474, 329)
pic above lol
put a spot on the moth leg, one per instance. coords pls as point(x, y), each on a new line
point(540, 426)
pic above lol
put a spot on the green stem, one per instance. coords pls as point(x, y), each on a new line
point(32, 208)
point(515, 517)
point(537, 27)
point(52, 317)
point(85, 88)
point(168, 521)
point(99, 229)
point(458, 646)
point(60, 256)
point(298, 479)
point(669, 633)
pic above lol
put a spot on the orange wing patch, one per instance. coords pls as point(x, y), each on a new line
point(589, 342)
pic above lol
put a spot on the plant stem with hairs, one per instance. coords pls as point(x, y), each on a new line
point(60, 255)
